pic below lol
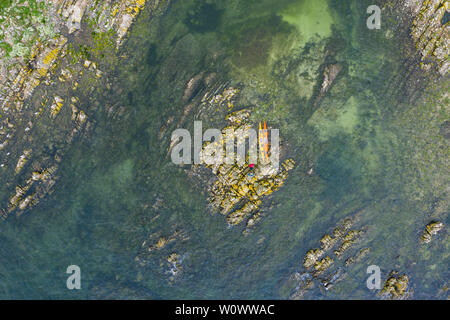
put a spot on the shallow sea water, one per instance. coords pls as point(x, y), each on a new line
point(364, 140)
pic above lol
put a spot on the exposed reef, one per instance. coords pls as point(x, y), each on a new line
point(430, 230)
point(238, 189)
point(431, 32)
point(396, 287)
point(39, 81)
point(325, 265)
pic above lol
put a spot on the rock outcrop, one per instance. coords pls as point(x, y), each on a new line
point(324, 266)
point(47, 54)
point(431, 32)
point(396, 287)
point(239, 189)
point(430, 230)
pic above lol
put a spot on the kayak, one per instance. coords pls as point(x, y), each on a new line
point(264, 141)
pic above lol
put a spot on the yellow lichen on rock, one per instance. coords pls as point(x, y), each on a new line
point(311, 257)
point(226, 96)
point(347, 241)
point(51, 56)
point(431, 229)
point(124, 14)
point(396, 286)
point(322, 265)
point(161, 243)
point(432, 37)
point(56, 106)
point(328, 242)
point(239, 189)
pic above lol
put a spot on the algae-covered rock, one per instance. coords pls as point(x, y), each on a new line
point(395, 287)
point(431, 229)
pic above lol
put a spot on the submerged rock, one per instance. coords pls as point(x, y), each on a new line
point(358, 257)
point(174, 261)
point(156, 242)
point(192, 87)
point(304, 283)
point(329, 76)
point(325, 266)
point(445, 129)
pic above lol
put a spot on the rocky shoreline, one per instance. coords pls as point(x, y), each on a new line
point(429, 29)
point(62, 62)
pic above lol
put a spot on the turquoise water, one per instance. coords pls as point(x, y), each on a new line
point(372, 140)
